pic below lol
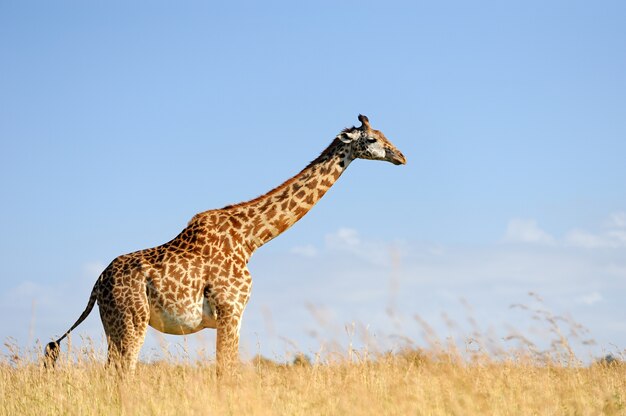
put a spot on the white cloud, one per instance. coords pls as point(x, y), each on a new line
point(617, 220)
point(348, 240)
point(613, 236)
point(343, 239)
point(584, 239)
point(526, 231)
point(619, 236)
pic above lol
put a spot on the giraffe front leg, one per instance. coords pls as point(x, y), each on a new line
point(227, 349)
point(230, 297)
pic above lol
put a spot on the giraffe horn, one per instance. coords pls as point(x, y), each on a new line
point(365, 123)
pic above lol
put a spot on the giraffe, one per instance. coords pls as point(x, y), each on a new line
point(200, 278)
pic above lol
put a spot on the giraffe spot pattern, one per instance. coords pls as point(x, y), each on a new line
point(200, 278)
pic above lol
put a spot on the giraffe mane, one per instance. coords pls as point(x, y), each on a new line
point(326, 153)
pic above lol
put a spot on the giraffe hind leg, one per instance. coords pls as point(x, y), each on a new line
point(124, 353)
point(125, 331)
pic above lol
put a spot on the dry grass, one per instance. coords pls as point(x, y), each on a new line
point(411, 382)
point(481, 378)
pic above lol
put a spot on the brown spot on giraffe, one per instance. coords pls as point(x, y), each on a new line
point(200, 278)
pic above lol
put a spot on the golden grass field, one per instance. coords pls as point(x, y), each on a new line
point(479, 378)
point(409, 383)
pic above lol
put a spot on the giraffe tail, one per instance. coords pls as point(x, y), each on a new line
point(52, 350)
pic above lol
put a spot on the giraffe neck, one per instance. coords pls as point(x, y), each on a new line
point(269, 215)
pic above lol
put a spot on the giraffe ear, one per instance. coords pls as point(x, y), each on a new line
point(365, 122)
point(348, 136)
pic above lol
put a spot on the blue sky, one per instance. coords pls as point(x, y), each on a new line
point(120, 121)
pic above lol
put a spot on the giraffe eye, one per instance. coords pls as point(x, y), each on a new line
point(371, 140)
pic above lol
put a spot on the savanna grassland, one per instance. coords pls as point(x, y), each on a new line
point(408, 383)
point(479, 377)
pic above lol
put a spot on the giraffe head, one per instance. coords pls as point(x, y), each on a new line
point(366, 143)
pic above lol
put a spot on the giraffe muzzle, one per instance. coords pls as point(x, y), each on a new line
point(395, 156)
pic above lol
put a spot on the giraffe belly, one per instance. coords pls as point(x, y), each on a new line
point(169, 321)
